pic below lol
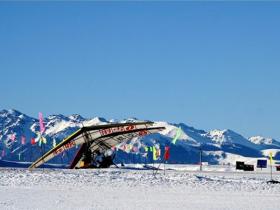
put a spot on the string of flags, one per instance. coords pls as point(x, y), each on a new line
point(40, 139)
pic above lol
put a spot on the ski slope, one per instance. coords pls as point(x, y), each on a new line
point(181, 187)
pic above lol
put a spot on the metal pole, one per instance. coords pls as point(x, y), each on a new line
point(200, 159)
point(271, 171)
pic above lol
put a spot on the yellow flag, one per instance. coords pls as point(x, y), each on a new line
point(154, 153)
point(270, 158)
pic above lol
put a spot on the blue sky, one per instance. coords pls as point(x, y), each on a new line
point(210, 65)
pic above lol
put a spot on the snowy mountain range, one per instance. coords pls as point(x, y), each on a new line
point(217, 146)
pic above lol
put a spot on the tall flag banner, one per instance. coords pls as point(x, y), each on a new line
point(41, 122)
point(270, 158)
point(166, 153)
point(19, 155)
point(54, 143)
point(23, 140)
point(158, 153)
point(3, 153)
point(177, 136)
point(154, 153)
point(33, 141)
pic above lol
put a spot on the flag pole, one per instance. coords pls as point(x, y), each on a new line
point(164, 167)
point(270, 159)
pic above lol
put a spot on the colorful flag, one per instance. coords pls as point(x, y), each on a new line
point(158, 153)
point(166, 153)
point(41, 122)
point(13, 137)
point(154, 153)
point(177, 136)
point(54, 143)
point(135, 149)
point(40, 138)
point(33, 141)
point(23, 139)
point(146, 149)
point(270, 158)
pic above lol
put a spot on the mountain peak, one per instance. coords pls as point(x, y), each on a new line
point(76, 118)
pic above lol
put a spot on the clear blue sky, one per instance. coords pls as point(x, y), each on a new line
point(210, 65)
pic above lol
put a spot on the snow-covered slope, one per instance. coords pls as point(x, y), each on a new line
point(218, 146)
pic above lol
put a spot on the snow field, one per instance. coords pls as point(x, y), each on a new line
point(136, 189)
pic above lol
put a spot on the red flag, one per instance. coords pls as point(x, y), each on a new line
point(23, 140)
point(33, 141)
point(166, 152)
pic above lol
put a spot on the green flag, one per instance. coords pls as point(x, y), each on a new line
point(154, 153)
point(146, 149)
point(178, 134)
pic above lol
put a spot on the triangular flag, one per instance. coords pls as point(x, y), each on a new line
point(178, 134)
point(41, 122)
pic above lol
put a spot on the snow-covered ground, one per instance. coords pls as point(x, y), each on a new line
point(181, 187)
